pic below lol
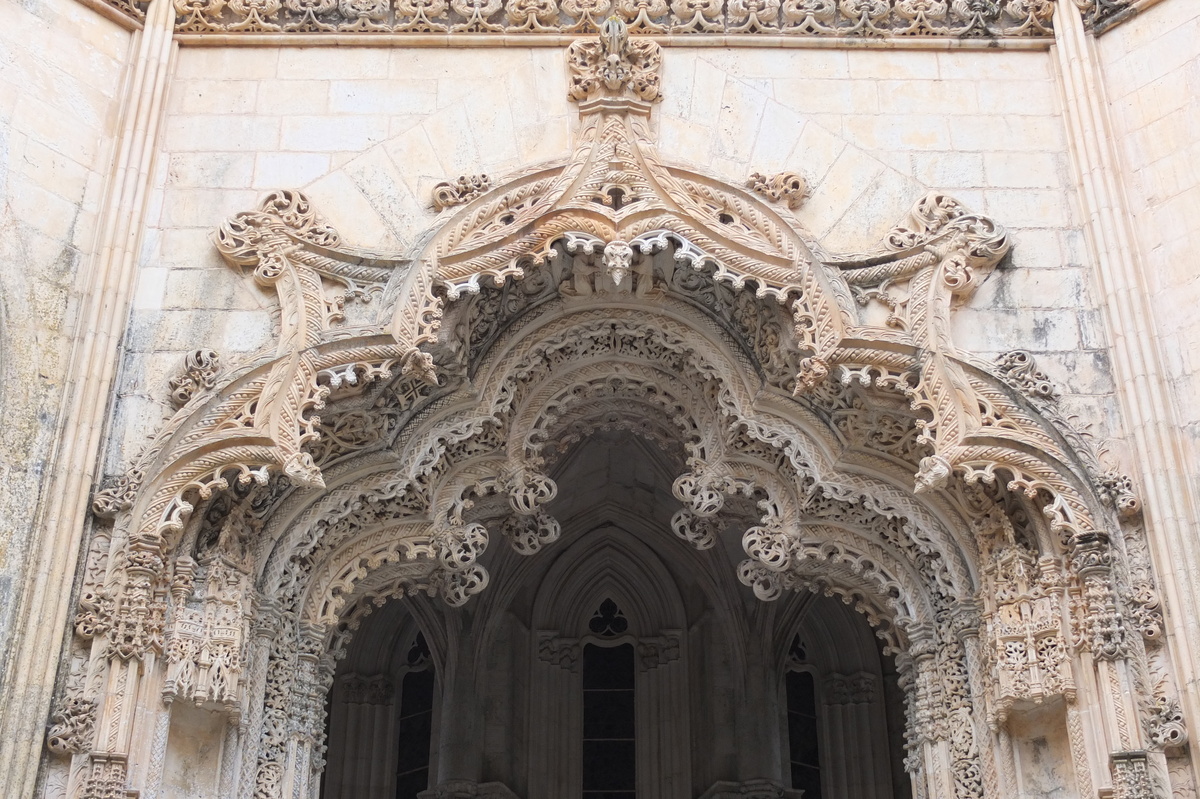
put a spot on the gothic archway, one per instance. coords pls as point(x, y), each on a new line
point(813, 405)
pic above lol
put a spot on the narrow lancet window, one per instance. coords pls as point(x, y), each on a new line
point(609, 751)
point(802, 724)
point(415, 726)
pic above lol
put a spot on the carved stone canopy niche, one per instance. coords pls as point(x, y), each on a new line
point(824, 431)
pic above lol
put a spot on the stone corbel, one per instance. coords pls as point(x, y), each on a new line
point(787, 188)
point(116, 494)
point(448, 194)
point(699, 531)
point(658, 651)
point(850, 689)
point(530, 534)
point(1116, 490)
point(73, 726)
point(702, 490)
point(558, 651)
point(1019, 370)
point(529, 528)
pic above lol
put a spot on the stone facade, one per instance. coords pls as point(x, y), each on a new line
point(60, 101)
point(936, 361)
point(1151, 84)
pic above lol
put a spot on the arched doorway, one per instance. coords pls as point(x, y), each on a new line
point(708, 700)
point(802, 424)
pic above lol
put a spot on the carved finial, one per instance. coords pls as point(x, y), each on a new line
point(614, 66)
point(786, 187)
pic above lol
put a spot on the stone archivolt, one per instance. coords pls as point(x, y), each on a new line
point(813, 401)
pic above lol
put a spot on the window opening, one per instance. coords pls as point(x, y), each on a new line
point(609, 621)
point(415, 726)
point(609, 751)
point(802, 724)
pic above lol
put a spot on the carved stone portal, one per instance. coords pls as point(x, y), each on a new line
point(811, 404)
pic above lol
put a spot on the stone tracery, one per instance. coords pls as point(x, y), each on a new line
point(606, 258)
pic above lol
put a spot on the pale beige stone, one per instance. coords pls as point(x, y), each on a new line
point(371, 130)
point(828, 95)
point(332, 133)
point(1023, 170)
point(215, 96)
point(293, 98)
point(316, 63)
point(218, 132)
point(893, 65)
point(372, 97)
point(288, 169)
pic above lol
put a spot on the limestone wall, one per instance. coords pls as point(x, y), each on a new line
point(368, 131)
point(61, 68)
point(1152, 74)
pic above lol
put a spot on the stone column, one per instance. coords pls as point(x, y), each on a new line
point(760, 748)
point(850, 707)
point(460, 733)
point(554, 768)
point(309, 690)
point(365, 717)
point(1142, 387)
point(663, 736)
point(263, 632)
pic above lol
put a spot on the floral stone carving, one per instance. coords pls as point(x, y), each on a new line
point(799, 18)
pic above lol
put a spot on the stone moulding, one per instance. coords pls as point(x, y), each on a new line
point(852, 19)
point(415, 21)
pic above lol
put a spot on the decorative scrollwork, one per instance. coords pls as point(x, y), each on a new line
point(1019, 369)
point(117, 494)
point(786, 187)
point(448, 194)
point(200, 369)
